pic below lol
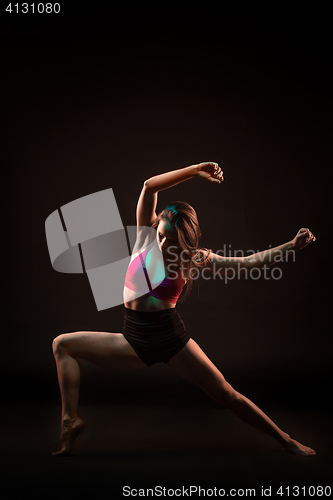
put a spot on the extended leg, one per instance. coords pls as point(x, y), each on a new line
point(101, 348)
point(192, 364)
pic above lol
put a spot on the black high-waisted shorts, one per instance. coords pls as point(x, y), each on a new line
point(155, 336)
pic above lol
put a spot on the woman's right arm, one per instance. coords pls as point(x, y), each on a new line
point(146, 208)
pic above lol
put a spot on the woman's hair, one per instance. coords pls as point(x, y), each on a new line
point(184, 220)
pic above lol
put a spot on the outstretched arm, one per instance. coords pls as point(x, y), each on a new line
point(146, 208)
point(237, 265)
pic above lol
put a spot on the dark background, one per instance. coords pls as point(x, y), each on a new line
point(107, 97)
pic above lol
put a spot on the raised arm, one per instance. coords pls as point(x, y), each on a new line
point(237, 265)
point(146, 208)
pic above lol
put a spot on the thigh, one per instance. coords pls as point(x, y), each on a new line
point(102, 348)
point(193, 365)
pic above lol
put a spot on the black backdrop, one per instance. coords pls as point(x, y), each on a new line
point(108, 97)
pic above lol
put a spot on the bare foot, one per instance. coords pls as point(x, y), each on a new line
point(297, 448)
point(70, 430)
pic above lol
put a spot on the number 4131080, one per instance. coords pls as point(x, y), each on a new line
point(34, 8)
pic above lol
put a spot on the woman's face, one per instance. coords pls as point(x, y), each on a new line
point(167, 238)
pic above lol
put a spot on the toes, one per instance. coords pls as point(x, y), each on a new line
point(310, 452)
point(60, 453)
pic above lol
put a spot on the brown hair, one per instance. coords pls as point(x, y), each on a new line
point(184, 219)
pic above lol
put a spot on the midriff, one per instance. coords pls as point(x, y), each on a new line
point(147, 303)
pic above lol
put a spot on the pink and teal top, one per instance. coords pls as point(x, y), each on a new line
point(168, 290)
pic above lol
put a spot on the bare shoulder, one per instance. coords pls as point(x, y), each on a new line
point(204, 256)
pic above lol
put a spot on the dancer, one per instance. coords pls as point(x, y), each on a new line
point(153, 330)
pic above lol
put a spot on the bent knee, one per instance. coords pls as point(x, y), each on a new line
point(225, 394)
point(60, 344)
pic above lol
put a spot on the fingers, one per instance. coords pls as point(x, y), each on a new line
point(305, 232)
point(211, 171)
point(218, 173)
point(310, 236)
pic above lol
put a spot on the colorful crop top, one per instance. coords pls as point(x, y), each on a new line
point(137, 278)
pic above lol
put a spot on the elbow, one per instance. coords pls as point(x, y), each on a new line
point(245, 261)
point(251, 262)
point(248, 263)
point(147, 186)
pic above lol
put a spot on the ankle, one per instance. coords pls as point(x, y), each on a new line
point(67, 419)
point(284, 439)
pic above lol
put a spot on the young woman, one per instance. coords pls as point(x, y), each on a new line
point(153, 330)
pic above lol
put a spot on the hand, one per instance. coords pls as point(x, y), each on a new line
point(303, 238)
point(210, 171)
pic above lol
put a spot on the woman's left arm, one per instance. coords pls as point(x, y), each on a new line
point(231, 265)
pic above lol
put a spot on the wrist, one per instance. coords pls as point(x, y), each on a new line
point(196, 170)
point(292, 244)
